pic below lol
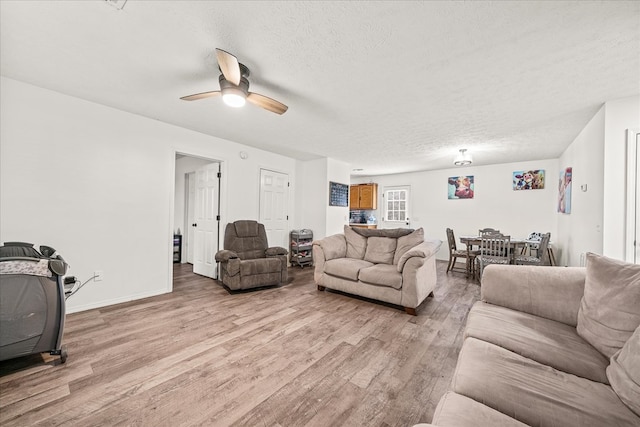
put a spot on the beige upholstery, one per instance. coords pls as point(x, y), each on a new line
point(546, 341)
point(610, 309)
point(523, 357)
point(624, 372)
point(455, 410)
point(246, 261)
point(534, 393)
point(403, 278)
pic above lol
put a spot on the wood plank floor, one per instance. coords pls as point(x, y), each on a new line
point(285, 356)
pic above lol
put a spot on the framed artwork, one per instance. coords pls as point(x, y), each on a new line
point(528, 180)
point(564, 191)
point(338, 194)
point(460, 187)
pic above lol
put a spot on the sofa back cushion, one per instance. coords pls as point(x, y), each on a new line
point(624, 372)
point(407, 242)
point(356, 243)
point(380, 250)
point(610, 308)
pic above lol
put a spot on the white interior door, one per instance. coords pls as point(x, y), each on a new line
point(205, 227)
point(632, 237)
point(274, 205)
point(190, 215)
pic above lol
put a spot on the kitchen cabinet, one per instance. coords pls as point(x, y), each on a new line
point(363, 196)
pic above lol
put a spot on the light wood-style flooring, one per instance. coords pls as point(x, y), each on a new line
point(284, 356)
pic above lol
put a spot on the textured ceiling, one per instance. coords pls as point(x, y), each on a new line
point(385, 86)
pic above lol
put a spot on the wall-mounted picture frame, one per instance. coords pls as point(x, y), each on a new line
point(528, 180)
point(564, 190)
point(338, 194)
point(460, 187)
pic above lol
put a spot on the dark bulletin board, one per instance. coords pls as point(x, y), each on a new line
point(338, 194)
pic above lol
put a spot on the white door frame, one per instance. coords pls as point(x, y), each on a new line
point(171, 163)
point(633, 193)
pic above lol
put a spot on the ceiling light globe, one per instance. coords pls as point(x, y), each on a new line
point(233, 100)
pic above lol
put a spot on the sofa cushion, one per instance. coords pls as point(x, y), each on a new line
point(407, 242)
point(380, 250)
point(534, 393)
point(383, 232)
point(610, 308)
point(347, 268)
point(382, 275)
point(455, 410)
point(546, 341)
point(356, 244)
point(624, 372)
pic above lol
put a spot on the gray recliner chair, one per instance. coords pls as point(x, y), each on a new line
point(247, 261)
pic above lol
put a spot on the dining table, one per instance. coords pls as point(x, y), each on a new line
point(514, 245)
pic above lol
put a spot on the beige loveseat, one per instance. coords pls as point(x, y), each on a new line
point(393, 265)
point(550, 346)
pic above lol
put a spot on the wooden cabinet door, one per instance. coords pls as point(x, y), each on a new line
point(354, 197)
point(369, 196)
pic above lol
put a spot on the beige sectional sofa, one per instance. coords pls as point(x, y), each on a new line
point(550, 346)
point(393, 265)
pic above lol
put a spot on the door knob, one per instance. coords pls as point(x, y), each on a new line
point(194, 225)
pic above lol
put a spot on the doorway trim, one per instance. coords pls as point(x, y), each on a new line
point(222, 205)
point(633, 190)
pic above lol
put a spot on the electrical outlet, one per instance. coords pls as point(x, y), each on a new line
point(98, 275)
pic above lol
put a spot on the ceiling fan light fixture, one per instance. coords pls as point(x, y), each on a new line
point(234, 97)
point(463, 159)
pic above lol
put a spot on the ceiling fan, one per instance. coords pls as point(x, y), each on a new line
point(234, 86)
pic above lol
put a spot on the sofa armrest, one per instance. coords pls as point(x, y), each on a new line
point(225, 255)
point(275, 251)
point(426, 249)
point(334, 246)
point(550, 292)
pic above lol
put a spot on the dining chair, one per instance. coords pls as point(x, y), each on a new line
point(483, 231)
point(494, 249)
point(542, 254)
point(533, 241)
point(455, 253)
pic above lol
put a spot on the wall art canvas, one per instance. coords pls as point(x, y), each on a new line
point(528, 180)
point(461, 187)
point(564, 191)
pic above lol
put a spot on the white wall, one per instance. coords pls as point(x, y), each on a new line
point(98, 184)
point(312, 194)
point(337, 216)
point(581, 231)
point(620, 115)
point(495, 204)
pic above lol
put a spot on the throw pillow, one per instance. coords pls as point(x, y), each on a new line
point(610, 308)
point(380, 250)
point(407, 242)
point(356, 244)
point(624, 373)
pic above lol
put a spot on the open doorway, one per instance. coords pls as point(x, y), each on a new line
point(197, 212)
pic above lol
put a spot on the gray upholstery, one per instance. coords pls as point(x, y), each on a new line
point(366, 262)
point(523, 356)
point(246, 261)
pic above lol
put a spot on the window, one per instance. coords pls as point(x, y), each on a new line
point(396, 204)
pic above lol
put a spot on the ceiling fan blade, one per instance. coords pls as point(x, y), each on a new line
point(267, 103)
point(202, 95)
point(229, 66)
